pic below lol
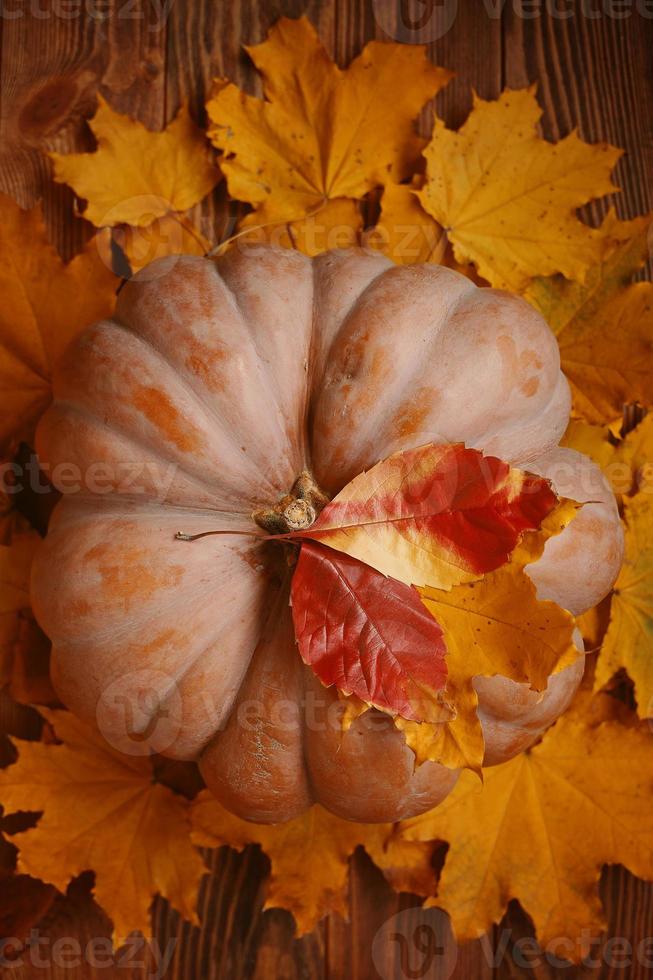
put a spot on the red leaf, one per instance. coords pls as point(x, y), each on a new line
point(369, 635)
point(438, 515)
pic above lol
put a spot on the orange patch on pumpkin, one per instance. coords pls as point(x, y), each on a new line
point(161, 412)
point(411, 418)
point(530, 386)
point(131, 576)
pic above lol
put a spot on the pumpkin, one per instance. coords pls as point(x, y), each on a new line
point(214, 387)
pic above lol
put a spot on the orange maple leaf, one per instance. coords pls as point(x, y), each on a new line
point(46, 303)
point(102, 812)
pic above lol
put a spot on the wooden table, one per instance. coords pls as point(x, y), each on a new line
point(593, 62)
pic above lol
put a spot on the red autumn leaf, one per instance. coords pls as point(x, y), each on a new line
point(439, 515)
point(369, 635)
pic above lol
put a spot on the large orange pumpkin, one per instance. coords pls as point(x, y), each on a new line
point(215, 385)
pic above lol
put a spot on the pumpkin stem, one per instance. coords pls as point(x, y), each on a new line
point(296, 511)
point(182, 536)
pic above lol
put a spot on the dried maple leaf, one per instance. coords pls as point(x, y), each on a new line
point(404, 231)
point(407, 234)
point(15, 565)
point(24, 901)
point(438, 515)
point(540, 828)
point(635, 452)
point(604, 325)
point(625, 629)
point(46, 303)
point(102, 812)
point(309, 889)
point(494, 626)
point(11, 520)
point(626, 462)
point(368, 635)
point(171, 234)
point(623, 250)
point(337, 224)
point(30, 664)
point(321, 133)
point(507, 198)
point(608, 361)
point(628, 642)
point(136, 175)
point(594, 441)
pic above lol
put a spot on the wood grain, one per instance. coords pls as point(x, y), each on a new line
point(594, 73)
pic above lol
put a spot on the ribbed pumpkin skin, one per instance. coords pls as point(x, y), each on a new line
point(218, 383)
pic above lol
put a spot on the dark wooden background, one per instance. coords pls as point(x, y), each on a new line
point(593, 62)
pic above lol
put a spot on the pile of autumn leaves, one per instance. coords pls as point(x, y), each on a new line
point(324, 148)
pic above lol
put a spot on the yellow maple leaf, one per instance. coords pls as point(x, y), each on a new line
point(310, 892)
point(635, 453)
point(495, 625)
point(507, 198)
point(404, 231)
point(321, 133)
point(102, 812)
point(604, 325)
point(46, 303)
point(171, 234)
point(336, 224)
point(136, 175)
point(594, 441)
point(407, 234)
point(593, 624)
point(540, 828)
point(627, 463)
point(608, 360)
point(623, 624)
point(628, 642)
point(623, 250)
